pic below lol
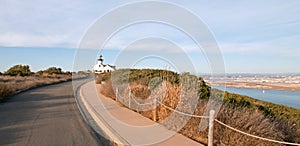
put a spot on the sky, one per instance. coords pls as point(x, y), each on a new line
point(252, 36)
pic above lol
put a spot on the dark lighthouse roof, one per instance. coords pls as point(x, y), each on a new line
point(100, 58)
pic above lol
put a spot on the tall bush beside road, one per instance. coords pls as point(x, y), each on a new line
point(51, 71)
point(18, 70)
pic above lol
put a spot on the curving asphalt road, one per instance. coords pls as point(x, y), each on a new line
point(45, 116)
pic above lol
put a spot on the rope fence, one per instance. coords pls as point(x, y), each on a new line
point(254, 136)
point(187, 114)
point(212, 118)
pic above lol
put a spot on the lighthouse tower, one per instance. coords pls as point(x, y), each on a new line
point(100, 60)
point(102, 68)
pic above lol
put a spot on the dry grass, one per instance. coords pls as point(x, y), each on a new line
point(236, 111)
point(249, 121)
point(13, 84)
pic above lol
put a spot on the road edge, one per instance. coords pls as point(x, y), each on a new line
point(94, 121)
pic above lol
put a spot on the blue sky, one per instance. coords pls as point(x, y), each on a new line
point(253, 36)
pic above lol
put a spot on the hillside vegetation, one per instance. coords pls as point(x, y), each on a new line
point(244, 113)
point(18, 70)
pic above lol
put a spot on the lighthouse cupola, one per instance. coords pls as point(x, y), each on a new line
point(100, 60)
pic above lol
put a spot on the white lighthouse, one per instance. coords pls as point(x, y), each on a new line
point(102, 68)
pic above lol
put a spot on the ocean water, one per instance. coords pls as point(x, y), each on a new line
point(284, 97)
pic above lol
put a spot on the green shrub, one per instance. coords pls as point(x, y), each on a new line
point(144, 76)
point(51, 70)
point(81, 72)
point(18, 70)
point(68, 73)
point(54, 70)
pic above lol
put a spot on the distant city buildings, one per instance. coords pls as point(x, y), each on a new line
point(276, 82)
point(102, 68)
point(292, 79)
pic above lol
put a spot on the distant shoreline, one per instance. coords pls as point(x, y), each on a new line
point(280, 86)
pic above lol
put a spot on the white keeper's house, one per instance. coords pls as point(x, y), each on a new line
point(102, 68)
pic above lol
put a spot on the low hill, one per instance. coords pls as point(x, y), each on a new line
point(244, 113)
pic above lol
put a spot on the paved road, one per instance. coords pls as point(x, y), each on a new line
point(45, 116)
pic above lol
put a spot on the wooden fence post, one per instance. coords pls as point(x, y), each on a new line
point(129, 99)
point(154, 110)
point(211, 128)
point(117, 93)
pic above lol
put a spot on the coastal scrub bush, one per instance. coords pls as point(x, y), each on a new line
point(51, 70)
point(18, 70)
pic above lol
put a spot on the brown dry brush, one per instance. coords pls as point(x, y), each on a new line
point(241, 117)
point(5, 91)
point(246, 120)
point(12, 84)
point(107, 89)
